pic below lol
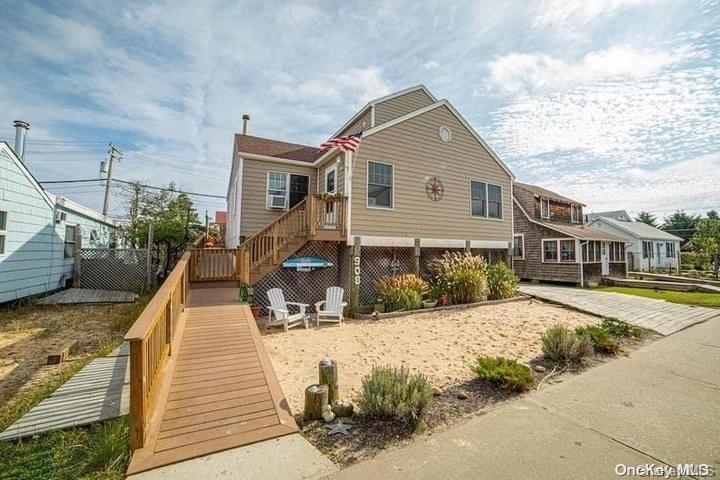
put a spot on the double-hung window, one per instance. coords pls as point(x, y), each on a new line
point(647, 249)
point(670, 249)
point(277, 191)
point(519, 247)
point(3, 231)
point(574, 214)
point(562, 251)
point(544, 208)
point(550, 252)
point(69, 250)
point(485, 200)
point(380, 185)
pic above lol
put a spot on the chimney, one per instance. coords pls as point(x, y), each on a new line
point(246, 124)
point(21, 129)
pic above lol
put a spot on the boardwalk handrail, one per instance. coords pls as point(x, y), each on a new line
point(150, 339)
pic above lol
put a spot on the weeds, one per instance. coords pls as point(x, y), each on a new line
point(505, 372)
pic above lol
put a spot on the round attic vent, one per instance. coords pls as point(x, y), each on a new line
point(445, 134)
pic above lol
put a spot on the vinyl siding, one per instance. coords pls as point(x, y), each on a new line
point(357, 125)
point(415, 150)
point(33, 262)
point(399, 106)
point(338, 158)
point(634, 250)
point(254, 214)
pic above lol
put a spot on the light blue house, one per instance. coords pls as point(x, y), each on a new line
point(38, 232)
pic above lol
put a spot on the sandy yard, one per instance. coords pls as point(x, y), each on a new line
point(442, 344)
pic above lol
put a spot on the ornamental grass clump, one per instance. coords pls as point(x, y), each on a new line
point(562, 345)
point(395, 394)
point(504, 372)
point(501, 281)
point(402, 292)
point(461, 276)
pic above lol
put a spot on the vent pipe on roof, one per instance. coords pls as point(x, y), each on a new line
point(21, 129)
point(246, 124)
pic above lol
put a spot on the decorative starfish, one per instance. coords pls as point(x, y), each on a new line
point(338, 428)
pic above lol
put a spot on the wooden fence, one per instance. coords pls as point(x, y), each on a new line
point(150, 339)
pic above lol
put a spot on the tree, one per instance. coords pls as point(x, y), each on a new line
point(175, 221)
point(680, 224)
point(706, 239)
point(713, 214)
point(648, 218)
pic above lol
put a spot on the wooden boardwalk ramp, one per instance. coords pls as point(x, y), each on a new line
point(217, 389)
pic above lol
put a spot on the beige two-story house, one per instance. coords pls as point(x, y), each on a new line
point(421, 182)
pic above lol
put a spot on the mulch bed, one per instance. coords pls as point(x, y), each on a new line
point(458, 402)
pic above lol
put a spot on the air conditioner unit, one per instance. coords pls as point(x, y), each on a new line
point(276, 201)
point(60, 217)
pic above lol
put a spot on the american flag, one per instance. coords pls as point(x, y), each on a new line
point(348, 143)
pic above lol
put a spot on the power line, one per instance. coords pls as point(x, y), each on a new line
point(126, 182)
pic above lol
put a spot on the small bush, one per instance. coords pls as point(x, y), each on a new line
point(393, 393)
point(461, 276)
point(501, 281)
point(616, 328)
point(403, 292)
point(601, 340)
point(560, 344)
point(504, 372)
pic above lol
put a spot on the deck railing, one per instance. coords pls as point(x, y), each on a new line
point(150, 340)
point(305, 220)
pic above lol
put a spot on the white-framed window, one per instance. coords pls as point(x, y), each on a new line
point(670, 249)
point(380, 185)
point(285, 190)
point(94, 236)
point(485, 200)
point(69, 243)
point(559, 250)
point(617, 252)
point(544, 208)
point(550, 251)
point(591, 251)
point(277, 190)
point(574, 214)
point(567, 251)
point(331, 179)
point(3, 230)
point(647, 249)
point(519, 246)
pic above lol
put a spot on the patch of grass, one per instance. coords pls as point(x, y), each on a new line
point(505, 372)
point(702, 299)
point(99, 452)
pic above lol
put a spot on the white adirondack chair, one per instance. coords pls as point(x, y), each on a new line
point(333, 306)
point(279, 309)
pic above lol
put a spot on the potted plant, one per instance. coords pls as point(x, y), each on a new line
point(246, 297)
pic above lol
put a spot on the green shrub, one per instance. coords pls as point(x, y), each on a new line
point(616, 328)
point(403, 292)
point(504, 372)
point(601, 340)
point(393, 393)
point(461, 276)
point(501, 281)
point(560, 344)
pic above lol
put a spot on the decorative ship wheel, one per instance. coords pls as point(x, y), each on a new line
point(434, 189)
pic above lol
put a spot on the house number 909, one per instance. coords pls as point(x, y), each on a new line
point(356, 270)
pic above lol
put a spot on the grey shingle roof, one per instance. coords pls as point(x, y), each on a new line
point(640, 230)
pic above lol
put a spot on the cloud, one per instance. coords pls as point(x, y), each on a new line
point(570, 15)
point(522, 73)
point(429, 65)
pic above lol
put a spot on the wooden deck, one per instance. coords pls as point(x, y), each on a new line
point(220, 390)
point(87, 295)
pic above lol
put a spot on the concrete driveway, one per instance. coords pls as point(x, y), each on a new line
point(663, 317)
point(658, 406)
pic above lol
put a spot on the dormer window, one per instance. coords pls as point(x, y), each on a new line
point(574, 214)
point(544, 208)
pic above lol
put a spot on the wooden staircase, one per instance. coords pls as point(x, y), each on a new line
point(316, 218)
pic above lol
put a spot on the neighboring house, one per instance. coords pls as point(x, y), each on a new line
point(38, 232)
point(422, 176)
point(648, 247)
point(552, 244)
point(220, 222)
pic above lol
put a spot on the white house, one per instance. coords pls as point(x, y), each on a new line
point(647, 247)
point(38, 231)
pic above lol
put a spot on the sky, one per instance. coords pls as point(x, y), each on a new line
point(613, 102)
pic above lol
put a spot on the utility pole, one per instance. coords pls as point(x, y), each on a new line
point(112, 152)
point(207, 227)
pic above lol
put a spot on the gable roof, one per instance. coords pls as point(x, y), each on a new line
point(376, 101)
point(544, 192)
point(275, 148)
point(640, 230)
point(581, 232)
point(616, 214)
point(5, 147)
